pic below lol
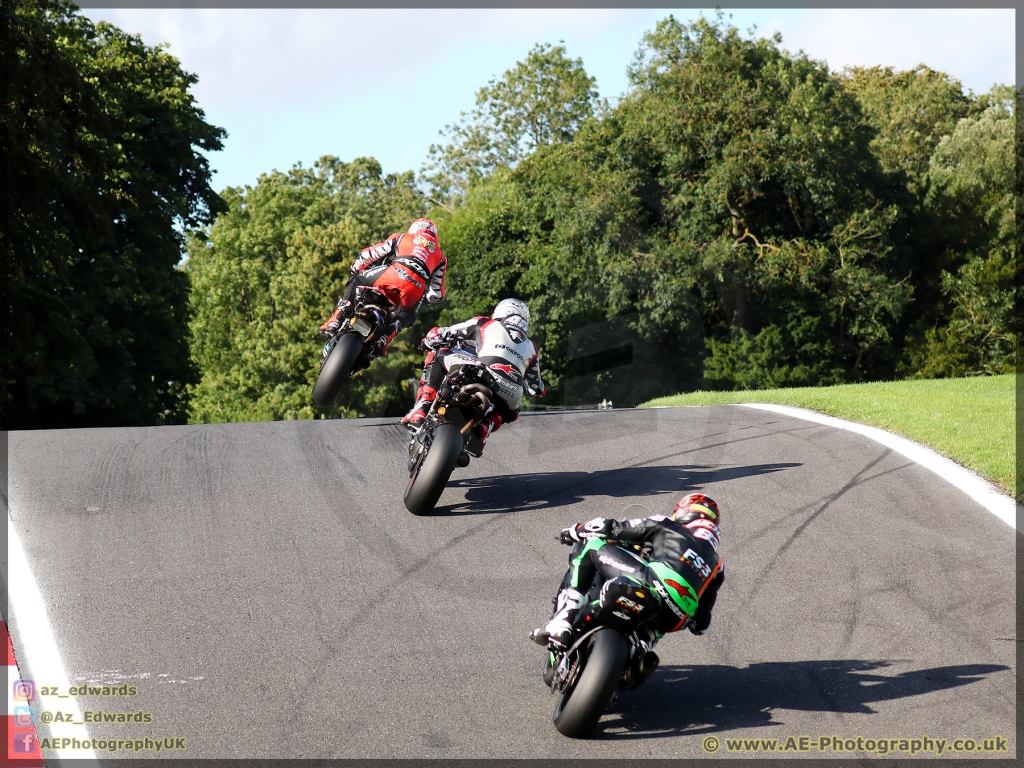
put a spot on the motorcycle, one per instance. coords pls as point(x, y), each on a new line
point(355, 345)
point(446, 439)
point(615, 646)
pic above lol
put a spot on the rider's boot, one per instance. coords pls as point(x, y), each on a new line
point(557, 633)
point(490, 424)
point(388, 334)
point(424, 399)
point(341, 312)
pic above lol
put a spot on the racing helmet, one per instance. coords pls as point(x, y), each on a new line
point(697, 506)
point(514, 316)
point(423, 224)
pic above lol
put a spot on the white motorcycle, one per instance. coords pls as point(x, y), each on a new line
point(473, 382)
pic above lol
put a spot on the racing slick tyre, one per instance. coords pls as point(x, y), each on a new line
point(336, 369)
point(581, 706)
point(429, 479)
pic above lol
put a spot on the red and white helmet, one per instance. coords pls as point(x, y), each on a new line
point(423, 224)
point(697, 506)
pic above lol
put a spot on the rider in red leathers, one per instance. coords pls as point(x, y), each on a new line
point(408, 267)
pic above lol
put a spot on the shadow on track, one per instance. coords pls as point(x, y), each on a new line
point(707, 699)
point(542, 490)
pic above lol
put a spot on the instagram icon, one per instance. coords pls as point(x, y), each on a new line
point(24, 690)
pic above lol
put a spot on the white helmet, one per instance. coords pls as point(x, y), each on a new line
point(514, 315)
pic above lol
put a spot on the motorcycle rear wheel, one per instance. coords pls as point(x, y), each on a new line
point(336, 369)
point(580, 707)
point(428, 481)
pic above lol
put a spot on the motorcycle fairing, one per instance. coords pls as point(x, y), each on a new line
point(506, 376)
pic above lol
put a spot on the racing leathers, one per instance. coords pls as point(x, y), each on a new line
point(407, 268)
point(479, 335)
point(680, 562)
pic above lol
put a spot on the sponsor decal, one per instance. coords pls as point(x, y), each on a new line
point(508, 349)
point(709, 534)
point(502, 367)
point(625, 602)
point(669, 601)
point(614, 564)
point(621, 615)
point(406, 276)
point(682, 589)
point(696, 562)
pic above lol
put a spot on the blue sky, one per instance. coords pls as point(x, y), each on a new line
point(292, 85)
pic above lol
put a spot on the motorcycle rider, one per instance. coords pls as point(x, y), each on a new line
point(513, 317)
point(407, 267)
point(683, 566)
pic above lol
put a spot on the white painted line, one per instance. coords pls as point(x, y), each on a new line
point(975, 486)
point(40, 649)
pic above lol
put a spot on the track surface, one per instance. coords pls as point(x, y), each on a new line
point(267, 592)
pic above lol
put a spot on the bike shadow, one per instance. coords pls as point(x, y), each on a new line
point(708, 699)
point(542, 490)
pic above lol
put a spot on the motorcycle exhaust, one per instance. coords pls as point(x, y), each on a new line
point(481, 395)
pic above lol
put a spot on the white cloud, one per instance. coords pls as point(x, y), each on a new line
point(976, 46)
point(291, 55)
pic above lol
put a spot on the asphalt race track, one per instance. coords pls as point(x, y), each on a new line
point(264, 588)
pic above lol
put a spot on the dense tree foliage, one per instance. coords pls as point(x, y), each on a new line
point(742, 218)
point(270, 270)
point(732, 197)
point(100, 175)
point(745, 218)
point(970, 190)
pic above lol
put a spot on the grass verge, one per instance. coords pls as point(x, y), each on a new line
point(969, 420)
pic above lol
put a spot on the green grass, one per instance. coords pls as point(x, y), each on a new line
point(969, 420)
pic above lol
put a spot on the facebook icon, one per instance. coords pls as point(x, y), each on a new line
point(25, 742)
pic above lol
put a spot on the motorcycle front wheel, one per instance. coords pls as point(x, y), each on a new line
point(336, 369)
point(580, 707)
point(428, 480)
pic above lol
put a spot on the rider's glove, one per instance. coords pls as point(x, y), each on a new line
point(592, 529)
point(569, 535)
point(596, 528)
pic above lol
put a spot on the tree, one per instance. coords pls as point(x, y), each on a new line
point(768, 202)
point(542, 100)
point(911, 111)
point(971, 189)
point(101, 173)
point(269, 271)
point(729, 208)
